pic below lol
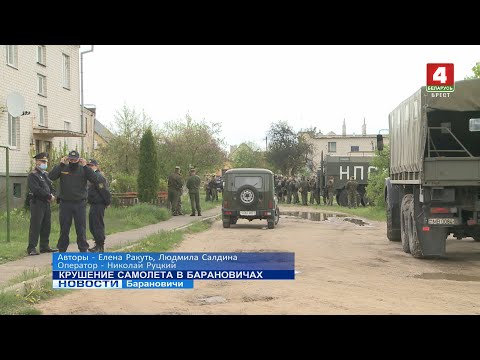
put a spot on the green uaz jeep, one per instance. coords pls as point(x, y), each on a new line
point(249, 194)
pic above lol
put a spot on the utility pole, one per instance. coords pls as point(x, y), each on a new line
point(7, 188)
point(83, 128)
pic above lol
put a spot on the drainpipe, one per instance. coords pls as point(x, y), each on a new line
point(82, 127)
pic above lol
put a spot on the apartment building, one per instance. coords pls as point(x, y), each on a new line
point(47, 77)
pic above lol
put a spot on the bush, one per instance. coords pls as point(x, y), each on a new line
point(163, 185)
point(123, 183)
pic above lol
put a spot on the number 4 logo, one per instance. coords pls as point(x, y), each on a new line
point(440, 74)
point(440, 78)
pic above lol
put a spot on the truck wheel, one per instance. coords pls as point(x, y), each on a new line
point(342, 199)
point(233, 220)
point(392, 234)
point(271, 224)
point(404, 216)
point(414, 241)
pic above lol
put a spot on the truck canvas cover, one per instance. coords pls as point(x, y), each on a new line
point(408, 122)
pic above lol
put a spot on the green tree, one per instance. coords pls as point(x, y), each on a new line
point(288, 151)
point(189, 143)
point(121, 154)
point(476, 72)
point(248, 155)
point(148, 168)
point(376, 179)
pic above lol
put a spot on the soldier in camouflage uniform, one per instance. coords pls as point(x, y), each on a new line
point(175, 185)
point(311, 186)
point(290, 190)
point(213, 188)
point(295, 192)
point(352, 192)
point(303, 188)
point(330, 192)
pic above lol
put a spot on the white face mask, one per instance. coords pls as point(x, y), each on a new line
point(43, 166)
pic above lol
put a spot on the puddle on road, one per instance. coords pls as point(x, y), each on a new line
point(443, 276)
point(356, 221)
point(321, 216)
point(314, 216)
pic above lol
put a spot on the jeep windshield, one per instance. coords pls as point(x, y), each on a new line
point(255, 181)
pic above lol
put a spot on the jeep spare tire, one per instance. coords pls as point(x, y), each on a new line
point(247, 195)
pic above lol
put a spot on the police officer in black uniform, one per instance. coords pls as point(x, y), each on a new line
point(41, 195)
point(73, 174)
point(99, 198)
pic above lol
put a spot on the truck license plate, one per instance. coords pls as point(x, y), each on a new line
point(248, 213)
point(442, 221)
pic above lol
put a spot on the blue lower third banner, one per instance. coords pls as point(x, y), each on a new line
point(123, 284)
point(165, 270)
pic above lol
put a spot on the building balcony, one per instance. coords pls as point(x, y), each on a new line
point(48, 133)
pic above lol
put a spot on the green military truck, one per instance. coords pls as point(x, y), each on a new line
point(340, 168)
point(433, 188)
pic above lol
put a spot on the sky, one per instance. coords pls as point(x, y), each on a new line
point(248, 87)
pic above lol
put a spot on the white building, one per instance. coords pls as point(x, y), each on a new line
point(345, 144)
point(47, 77)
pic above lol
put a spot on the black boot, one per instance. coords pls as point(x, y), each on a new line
point(97, 248)
point(192, 214)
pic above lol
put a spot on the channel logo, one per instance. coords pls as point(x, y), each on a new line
point(440, 78)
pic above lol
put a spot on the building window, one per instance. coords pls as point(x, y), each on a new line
point(47, 146)
point(332, 147)
point(17, 190)
point(38, 146)
point(13, 131)
point(12, 55)
point(66, 71)
point(41, 55)
point(66, 125)
point(42, 115)
point(354, 148)
point(41, 85)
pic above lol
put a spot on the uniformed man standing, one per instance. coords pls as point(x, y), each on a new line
point(41, 195)
point(73, 174)
point(206, 187)
point(213, 188)
point(193, 186)
point(290, 190)
point(174, 184)
point(352, 192)
point(330, 192)
point(295, 191)
point(303, 188)
point(311, 187)
point(99, 198)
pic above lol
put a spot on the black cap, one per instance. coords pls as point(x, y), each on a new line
point(73, 154)
point(92, 162)
point(41, 156)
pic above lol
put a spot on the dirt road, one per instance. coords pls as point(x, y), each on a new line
point(342, 268)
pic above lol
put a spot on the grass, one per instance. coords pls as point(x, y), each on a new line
point(21, 302)
point(116, 219)
point(368, 212)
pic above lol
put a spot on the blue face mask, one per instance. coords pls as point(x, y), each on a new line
point(43, 166)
